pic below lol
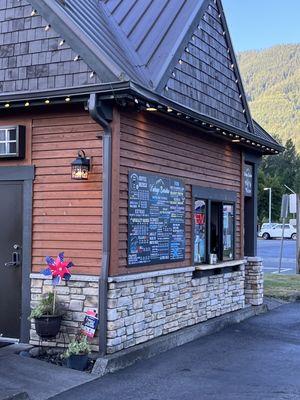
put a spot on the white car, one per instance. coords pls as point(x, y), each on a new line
point(266, 225)
point(276, 232)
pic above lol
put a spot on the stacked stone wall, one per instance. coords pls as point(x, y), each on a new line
point(76, 296)
point(254, 281)
point(145, 306)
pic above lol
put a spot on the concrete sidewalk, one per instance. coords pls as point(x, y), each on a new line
point(258, 359)
point(23, 378)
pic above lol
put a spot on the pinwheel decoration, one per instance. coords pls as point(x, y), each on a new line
point(58, 269)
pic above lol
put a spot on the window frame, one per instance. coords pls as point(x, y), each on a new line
point(223, 197)
point(20, 142)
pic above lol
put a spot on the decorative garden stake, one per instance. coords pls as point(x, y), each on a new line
point(58, 269)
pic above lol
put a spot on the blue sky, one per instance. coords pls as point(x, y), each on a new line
point(257, 24)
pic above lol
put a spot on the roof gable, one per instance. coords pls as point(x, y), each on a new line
point(178, 51)
point(153, 29)
point(205, 76)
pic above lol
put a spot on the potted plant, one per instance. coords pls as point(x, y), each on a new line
point(77, 353)
point(46, 315)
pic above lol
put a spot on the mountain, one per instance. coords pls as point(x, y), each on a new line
point(272, 83)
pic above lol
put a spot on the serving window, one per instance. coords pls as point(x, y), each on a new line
point(214, 225)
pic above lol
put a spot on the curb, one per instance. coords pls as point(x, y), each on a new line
point(127, 357)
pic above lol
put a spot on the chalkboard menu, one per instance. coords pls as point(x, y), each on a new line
point(156, 219)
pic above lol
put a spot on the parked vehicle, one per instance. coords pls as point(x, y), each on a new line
point(266, 225)
point(276, 232)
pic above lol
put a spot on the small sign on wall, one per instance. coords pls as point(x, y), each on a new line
point(156, 219)
point(90, 324)
point(248, 180)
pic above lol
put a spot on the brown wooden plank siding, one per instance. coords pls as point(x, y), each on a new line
point(67, 214)
point(153, 144)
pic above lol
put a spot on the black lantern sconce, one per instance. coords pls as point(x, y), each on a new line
point(81, 166)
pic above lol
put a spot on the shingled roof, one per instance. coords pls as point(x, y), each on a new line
point(178, 50)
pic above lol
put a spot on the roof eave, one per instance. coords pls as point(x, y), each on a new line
point(111, 90)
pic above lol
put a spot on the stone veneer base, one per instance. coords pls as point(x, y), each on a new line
point(142, 307)
point(76, 296)
point(145, 306)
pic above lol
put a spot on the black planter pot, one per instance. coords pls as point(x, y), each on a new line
point(48, 326)
point(79, 362)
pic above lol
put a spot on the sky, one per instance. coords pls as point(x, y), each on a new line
point(258, 24)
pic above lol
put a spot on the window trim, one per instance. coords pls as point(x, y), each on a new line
point(209, 195)
point(20, 142)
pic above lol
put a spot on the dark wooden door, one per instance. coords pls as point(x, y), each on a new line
point(11, 194)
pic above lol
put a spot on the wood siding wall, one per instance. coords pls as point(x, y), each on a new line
point(150, 143)
point(67, 214)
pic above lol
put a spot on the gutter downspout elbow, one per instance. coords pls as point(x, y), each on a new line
point(102, 114)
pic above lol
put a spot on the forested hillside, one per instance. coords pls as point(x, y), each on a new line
point(272, 82)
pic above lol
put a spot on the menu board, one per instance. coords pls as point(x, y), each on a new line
point(156, 219)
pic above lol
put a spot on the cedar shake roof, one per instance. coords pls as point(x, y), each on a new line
point(178, 50)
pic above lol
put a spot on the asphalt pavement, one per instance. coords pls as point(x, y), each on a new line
point(269, 251)
point(257, 359)
point(29, 378)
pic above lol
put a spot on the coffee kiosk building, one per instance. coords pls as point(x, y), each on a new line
point(126, 141)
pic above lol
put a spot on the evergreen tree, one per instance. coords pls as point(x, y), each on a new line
point(275, 172)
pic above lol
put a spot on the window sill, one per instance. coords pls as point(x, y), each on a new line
point(225, 264)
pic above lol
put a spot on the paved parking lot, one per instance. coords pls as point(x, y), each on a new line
point(257, 359)
point(269, 250)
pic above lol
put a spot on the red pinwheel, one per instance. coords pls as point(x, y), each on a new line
point(58, 269)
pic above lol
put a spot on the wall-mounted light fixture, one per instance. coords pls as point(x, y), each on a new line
point(80, 167)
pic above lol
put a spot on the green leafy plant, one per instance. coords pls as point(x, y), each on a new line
point(79, 346)
point(45, 307)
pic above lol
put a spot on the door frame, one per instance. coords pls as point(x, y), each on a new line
point(25, 175)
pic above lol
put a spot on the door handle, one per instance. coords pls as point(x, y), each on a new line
point(15, 259)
